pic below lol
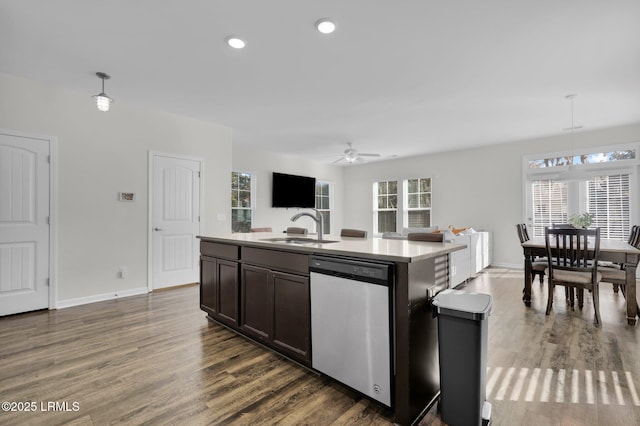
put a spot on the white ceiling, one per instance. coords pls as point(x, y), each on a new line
point(398, 77)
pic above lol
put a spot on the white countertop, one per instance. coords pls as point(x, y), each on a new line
point(369, 248)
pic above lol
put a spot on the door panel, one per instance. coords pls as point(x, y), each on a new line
point(175, 221)
point(291, 318)
point(256, 301)
point(24, 225)
point(228, 290)
point(208, 286)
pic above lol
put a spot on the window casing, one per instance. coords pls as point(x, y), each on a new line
point(323, 204)
point(599, 182)
point(242, 193)
point(385, 206)
point(417, 196)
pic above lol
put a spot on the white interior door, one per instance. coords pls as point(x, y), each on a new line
point(24, 224)
point(175, 220)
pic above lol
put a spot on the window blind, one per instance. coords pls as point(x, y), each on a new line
point(549, 201)
point(608, 202)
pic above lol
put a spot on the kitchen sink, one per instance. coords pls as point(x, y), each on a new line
point(298, 240)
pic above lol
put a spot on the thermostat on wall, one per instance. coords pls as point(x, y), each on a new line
point(126, 196)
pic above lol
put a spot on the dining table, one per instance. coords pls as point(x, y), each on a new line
point(615, 251)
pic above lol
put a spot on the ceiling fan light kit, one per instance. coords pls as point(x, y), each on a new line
point(351, 155)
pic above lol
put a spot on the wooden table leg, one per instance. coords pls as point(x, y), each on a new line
point(632, 303)
point(526, 297)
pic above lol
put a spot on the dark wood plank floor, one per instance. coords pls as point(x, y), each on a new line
point(155, 359)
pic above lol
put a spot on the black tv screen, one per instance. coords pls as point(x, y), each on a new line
point(293, 191)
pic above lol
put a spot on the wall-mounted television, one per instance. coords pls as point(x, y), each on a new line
point(293, 191)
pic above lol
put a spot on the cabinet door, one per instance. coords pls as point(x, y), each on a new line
point(256, 302)
point(291, 315)
point(208, 286)
point(227, 277)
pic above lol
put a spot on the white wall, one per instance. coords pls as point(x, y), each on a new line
point(262, 164)
point(99, 155)
point(479, 187)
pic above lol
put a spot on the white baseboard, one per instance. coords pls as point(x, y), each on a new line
point(101, 297)
point(508, 265)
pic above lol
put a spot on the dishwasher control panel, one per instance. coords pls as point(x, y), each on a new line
point(357, 269)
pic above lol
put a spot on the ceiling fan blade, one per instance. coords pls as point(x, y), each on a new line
point(338, 160)
point(369, 155)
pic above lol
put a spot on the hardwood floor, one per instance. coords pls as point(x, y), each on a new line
point(156, 359)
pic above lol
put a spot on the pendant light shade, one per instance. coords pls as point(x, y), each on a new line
point(102, 100)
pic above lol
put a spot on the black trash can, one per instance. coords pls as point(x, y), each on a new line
point(462, 338)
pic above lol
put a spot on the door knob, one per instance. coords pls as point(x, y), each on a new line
point(158, 229)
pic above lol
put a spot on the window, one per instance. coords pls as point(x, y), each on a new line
point(385, 208)
point(549, 204)
point(599, 182)
point(241, 201)
point(592, 158)
point(323, 204)
point(417, 213)
point(608, 202)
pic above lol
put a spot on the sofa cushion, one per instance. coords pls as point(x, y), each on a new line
point(407, 231)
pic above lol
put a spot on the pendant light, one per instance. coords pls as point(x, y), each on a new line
point(102, 100)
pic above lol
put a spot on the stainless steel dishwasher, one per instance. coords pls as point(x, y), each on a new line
point(351, 323)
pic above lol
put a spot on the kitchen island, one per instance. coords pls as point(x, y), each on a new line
point(258, 285)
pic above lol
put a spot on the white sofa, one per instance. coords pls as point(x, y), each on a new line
point(462, 263)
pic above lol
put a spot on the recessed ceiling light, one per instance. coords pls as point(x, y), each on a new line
point(235, 42)
point(325, 26)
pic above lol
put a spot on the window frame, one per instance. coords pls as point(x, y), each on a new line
point(376, 209)
point(577, 176)
point(330, 186)
point(406, 205)
point(252, 197)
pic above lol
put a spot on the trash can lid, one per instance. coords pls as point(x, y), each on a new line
point(461, 304)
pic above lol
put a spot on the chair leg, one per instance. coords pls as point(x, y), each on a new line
point(596, 303)
point(549, 297)
point(580, 298)
point(568, 294)
point(616, 287)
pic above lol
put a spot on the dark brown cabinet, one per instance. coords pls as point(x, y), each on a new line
point(256, 302)
point(263, 294)
point(219, 280)
point(292, 315)
point(274, 300)
point(275, 309)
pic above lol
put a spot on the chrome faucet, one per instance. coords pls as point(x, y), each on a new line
point(317, 218)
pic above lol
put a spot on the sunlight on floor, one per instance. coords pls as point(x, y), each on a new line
point(561, 385)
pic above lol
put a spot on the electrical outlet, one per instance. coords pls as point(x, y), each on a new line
point(123, 272)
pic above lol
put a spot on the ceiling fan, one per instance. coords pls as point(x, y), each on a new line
point(352, 156)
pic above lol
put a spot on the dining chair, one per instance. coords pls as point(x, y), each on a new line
point(426, 236)
point(616, 273)
point(265, 229)
point(537, 265)
point(355, 233)
point(297, 231)
point(572, 256)
point(562, 226)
